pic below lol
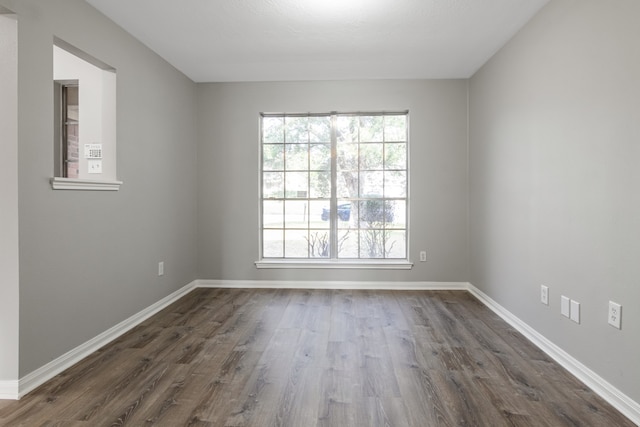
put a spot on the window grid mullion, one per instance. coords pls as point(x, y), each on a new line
point(384, 200)
point(284, 188)
point(358, 228)
point(333, 202)
point(308, 202)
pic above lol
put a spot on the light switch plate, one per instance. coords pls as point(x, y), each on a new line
point(575, 311)
point(95, 166)
point(565, 306)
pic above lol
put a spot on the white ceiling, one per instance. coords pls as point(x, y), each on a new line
point(268, 40)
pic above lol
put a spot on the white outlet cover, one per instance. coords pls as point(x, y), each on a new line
point(565, 306)
point(575, 311)
point(615, 314)
point(544, 294)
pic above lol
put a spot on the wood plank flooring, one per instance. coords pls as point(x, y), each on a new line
point(246, 357)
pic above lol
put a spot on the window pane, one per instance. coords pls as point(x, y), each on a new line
point(296, 214)
point(295, 244)
point(297, 184)
point(371, 128)
point(347, 129)
point(273, 214)
point(272, 157)
point(343, 184)
point(71, 140)
point(395, 156)
point(297, 156)
point(320, 185)
point(372, 243)
point(348, 244)
point(395, 128)
point(348, 184)
point(320, 157)
point(319, 245)
point(371, 157)
point(395, 244)
point(272, 129)
point(371, 184)
point(348, 214)
point(347, 158)
point(375, 212)
point(395, 184)
point(344, 212)
point(320, 129)
point(397, 214)
point(273, 243)
point(272, 185)
point(297, 129)
point(319, 213)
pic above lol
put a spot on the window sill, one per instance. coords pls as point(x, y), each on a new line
point(58, 183)
point(337, 264)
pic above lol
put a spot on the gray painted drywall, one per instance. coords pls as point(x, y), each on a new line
point(88, 259)
point(228, 171)
point(554, 200)
point(9, 264)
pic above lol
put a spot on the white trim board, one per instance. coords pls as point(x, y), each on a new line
point(43, 374)
point(599, 385)
point(59, 183)
point(9, 389)
point(304, 284)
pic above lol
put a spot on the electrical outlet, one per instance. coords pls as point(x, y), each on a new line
point(544, 294)
point(423, 256)
point(161, 268)
point(575, 311)
point(565, 306)
point(615, 314)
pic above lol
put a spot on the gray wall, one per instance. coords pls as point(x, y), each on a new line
point(554, 151)
point(228, 171)
point(88, 259)
point(9, 265)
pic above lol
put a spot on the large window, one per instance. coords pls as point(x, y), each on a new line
point(334, 186)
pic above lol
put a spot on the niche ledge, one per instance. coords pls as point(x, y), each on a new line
point(58, 183)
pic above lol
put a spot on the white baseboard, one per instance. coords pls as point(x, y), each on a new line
point(43, 374)
point(9, 390)
point(604, 389)
point(304, 284)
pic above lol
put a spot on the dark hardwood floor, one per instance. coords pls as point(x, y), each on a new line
point(224, 357)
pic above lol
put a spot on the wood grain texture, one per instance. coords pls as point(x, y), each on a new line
point(244, 357)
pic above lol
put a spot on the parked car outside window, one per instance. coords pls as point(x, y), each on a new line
point(344, 212)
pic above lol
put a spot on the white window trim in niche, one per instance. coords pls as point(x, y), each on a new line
point(59, 183)
point(72, 65)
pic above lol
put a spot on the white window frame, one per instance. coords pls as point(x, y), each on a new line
point(332, 263)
